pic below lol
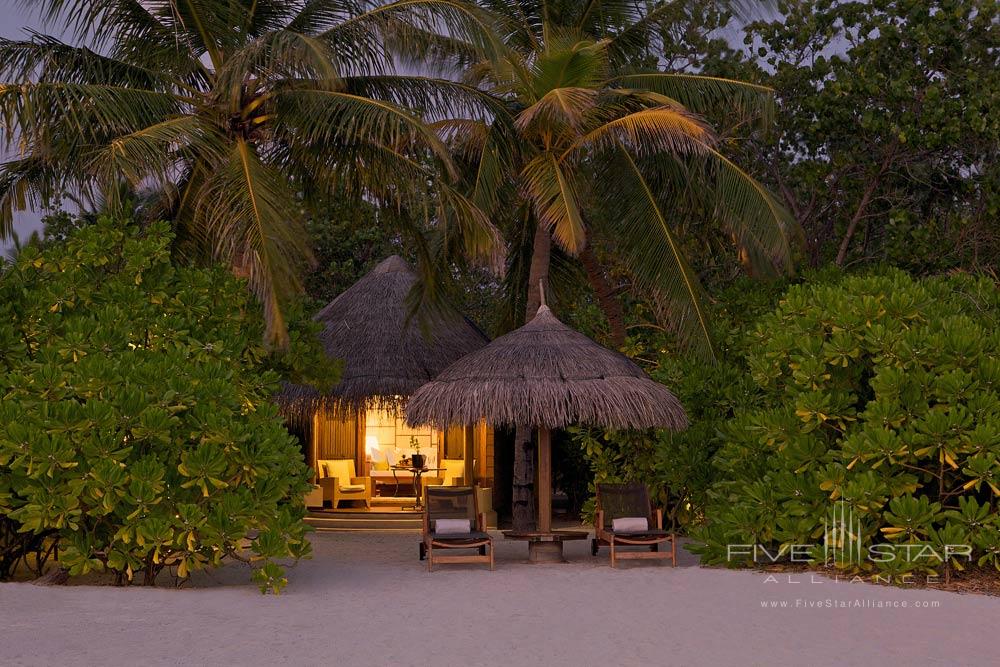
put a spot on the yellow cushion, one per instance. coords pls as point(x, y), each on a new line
point(380, 465)
point(340, 468)
point(452, 468)
point(352, 487)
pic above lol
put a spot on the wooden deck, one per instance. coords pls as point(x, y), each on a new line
point(385, 514)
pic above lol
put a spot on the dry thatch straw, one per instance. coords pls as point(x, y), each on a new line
point(386, 355)
point(546, 375)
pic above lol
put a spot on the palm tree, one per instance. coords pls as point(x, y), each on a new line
point(593, 146)
point(239, 114)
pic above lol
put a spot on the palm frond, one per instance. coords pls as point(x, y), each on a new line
point(321, 117)
point(558, 109)
point(568, 62)
point(374, 36)
point(496, 162)
point(104, 20)
point(463, 224)
point(523, 20)
point(87, 114)
point(490, 152)
point(662, 129)
point(652, 251)
point(409, 184)
point(429, 97)
point(639, 29)
point(277, 57)
point(316, 16)
point(555, 201)
point(28, 182)
point(752, 215)
point(251, 214)
point(46, 59)
point(706, 93)
point(157, 153)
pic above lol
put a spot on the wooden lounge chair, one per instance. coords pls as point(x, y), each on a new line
point(630, 501)
point(452, 503)
point(337, 478)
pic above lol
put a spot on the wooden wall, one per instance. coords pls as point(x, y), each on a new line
point(336, 438)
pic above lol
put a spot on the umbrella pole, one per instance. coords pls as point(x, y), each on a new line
point(544, 480)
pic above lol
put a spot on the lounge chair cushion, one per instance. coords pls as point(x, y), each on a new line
point(352, 487)
point(631, 524)
point(452, 526)
point(642, 534)
point(472, 535)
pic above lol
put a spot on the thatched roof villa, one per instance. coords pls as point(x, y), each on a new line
point(387, 356)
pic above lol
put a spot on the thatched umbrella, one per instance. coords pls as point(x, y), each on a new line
point(548, 376)
point(386, 355)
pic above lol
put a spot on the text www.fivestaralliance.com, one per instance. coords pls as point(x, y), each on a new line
point(849, 603)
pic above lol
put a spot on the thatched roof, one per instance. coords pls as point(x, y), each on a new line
point(546, 374)
point(386, 355)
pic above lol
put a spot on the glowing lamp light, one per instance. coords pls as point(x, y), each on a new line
point(371, 444)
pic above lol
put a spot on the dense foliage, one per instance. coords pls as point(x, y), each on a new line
point(881, 392)
point(888, 136)
point(678, 467)
point(135, 425)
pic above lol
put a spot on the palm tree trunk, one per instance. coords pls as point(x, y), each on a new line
point(605, 296)
point(523, 504)
point(538, 273)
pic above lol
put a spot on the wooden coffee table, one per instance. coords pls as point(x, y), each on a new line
point(546, 547)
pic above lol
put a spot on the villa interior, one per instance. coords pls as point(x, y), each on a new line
point(373, 448)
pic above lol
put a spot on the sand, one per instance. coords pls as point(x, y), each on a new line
point(365, 599)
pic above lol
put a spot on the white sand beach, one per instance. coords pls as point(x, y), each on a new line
point(365, 599)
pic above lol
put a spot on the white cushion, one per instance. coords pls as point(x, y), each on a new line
point(430, 456)
point(630, 524)
point(392, 456)
point(452, 526)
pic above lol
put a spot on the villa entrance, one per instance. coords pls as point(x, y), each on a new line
point(376, 449)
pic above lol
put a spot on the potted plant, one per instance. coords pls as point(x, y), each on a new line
point(417, 458)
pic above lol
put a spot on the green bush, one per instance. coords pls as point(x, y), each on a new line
point(677, 467)
point(136, 424)
point(880, 393)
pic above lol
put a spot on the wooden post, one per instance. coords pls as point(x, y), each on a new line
point(544, 480)
point(317, 473)
point(470, 455)
point(360, 451)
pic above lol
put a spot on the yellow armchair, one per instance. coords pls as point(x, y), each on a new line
point(338, 481)
point(452, 475)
